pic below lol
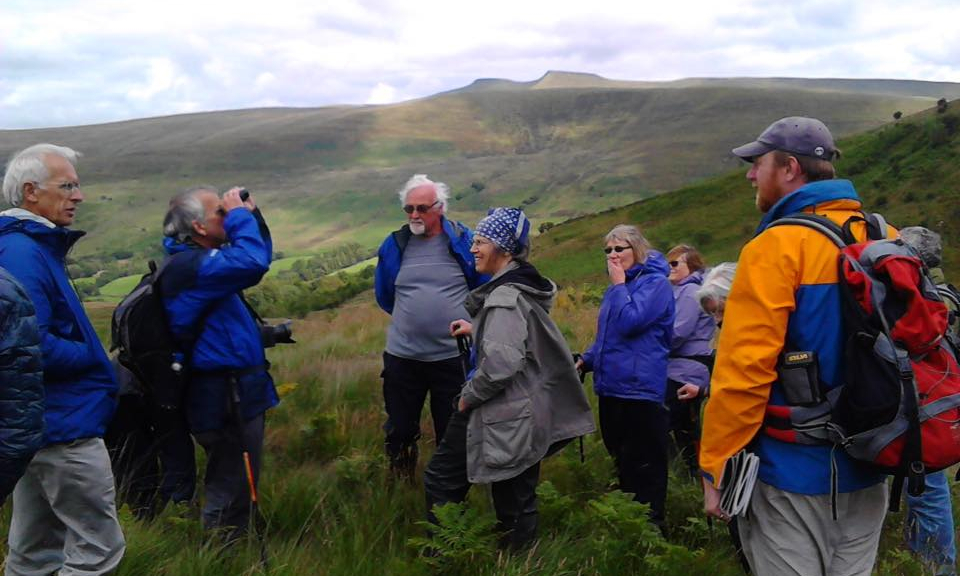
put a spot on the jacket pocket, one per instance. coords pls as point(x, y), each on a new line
point(507, 432)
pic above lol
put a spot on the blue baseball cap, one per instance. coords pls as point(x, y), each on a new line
point(794, 134)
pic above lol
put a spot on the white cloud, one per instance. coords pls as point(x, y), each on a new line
point(382, 94)
point(161, 76)
point(118, 60)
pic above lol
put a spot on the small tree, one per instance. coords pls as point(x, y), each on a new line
point(941, 105)
point(897, 115)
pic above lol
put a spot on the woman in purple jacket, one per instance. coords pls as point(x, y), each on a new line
point(688, 371)
point(629, 364)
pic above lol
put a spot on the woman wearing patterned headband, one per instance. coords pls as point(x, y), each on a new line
point(524, 399)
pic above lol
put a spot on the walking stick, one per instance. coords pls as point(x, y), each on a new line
point(248, 469)
point(464, 345)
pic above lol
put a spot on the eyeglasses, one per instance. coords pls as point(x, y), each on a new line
point(67, 187)
point(675, 263)
point(221, 211)
point(478, 242)
point(421, 208)
point(617, 249)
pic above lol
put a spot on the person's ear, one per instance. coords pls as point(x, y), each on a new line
point(199, 228)
point(31, 193)
point(792, 169)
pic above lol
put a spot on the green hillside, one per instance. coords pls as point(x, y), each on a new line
point(562, 146)
point(908, 171)
point(326, 492)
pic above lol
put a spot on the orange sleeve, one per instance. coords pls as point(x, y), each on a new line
point(751, 339)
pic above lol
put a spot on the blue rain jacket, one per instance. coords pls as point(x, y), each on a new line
point(199, 281)
point(78, 378)
point(634, 331)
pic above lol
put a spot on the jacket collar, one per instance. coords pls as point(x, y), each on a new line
point(809, 195)
point(692, 278)
point(654, 264)
point(58, 238)
point(21, 214)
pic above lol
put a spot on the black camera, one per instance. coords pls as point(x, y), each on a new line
point(273, 334)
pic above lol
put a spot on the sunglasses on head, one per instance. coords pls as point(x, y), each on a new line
point(617, 249)
point(421, 208)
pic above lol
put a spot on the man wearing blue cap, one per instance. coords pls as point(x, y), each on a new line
point(786, 297)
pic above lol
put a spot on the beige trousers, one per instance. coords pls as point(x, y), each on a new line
point(787, 534)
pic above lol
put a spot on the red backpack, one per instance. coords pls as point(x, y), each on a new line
point(899, 407)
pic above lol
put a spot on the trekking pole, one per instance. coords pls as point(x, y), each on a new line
point(464, 345)
point(248, 469)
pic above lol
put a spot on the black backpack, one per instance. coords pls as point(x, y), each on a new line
point(141, 335)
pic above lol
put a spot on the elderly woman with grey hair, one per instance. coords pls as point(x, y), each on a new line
point(629, 364)
point(715, 288)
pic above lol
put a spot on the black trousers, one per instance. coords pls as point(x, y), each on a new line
point(152, 455)
point(685, 426)
point(514, 500)
point(405, 386)
point(635, 434)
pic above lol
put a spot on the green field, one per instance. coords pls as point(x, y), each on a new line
point(282, 264)
point(331, 506)
point(120, 287)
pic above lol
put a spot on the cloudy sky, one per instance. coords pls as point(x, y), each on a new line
point(66, 63)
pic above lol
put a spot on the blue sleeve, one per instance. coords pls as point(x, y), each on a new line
point(238, 265)
point(474, 278)
point(264, 232)
point(61, 357)
point(635, 312)
point(384, 279)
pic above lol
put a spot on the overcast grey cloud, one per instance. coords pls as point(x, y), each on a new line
point(66, 63)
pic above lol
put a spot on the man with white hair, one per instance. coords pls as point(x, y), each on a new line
point(424, 273)
point(64, 511)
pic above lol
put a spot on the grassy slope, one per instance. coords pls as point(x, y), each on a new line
point(330, 506)
point(897, 169)
point(324, 176)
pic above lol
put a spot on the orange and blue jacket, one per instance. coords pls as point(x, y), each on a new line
point(785, 295)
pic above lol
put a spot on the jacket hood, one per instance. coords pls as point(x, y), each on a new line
point(809, 195)
point(654, 264)
point(693, 278)
point(520, 275)
point(173, 246)
point(58, 237)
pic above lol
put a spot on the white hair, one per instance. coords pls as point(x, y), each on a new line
point(185, 208)
point(418, 180)
point(29, 165)
point(717, 282)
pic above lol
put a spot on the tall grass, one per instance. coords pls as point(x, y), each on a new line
point(331, 507)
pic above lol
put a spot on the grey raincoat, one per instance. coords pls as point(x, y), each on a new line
point(525, 397)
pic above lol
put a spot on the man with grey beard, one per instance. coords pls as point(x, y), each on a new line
point(424, 272)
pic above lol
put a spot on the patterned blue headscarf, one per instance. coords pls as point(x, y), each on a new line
point(508, 228)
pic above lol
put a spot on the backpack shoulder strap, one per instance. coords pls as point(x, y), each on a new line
point(875, 223)
point(948, 292)
point(821, 224)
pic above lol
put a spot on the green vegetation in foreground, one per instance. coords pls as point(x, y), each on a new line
point(332, 509)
